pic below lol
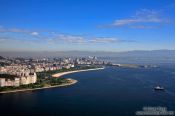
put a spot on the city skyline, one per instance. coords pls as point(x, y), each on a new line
point(43, 25)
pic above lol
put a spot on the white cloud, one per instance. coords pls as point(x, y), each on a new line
point(144, 27)
point(104, 40)
point(84, 40)
point(144, 18)
point(34, 33)
point(71, 38)
point(17, 30)
point(55, 37)
point(5, 39)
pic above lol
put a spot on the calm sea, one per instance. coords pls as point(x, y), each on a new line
point(109, 92)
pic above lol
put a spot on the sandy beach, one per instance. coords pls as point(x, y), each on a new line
point(71, 81)
point(69, 72)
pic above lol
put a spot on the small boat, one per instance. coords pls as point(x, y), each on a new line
point(158, 88)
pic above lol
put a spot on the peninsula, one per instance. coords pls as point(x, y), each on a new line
point(23, 73)
point(46, 83)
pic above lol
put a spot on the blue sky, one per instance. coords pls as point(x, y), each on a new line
point(87, 25)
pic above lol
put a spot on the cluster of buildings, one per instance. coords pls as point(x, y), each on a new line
point(17, 81)
point(24, 69)
point(22, 75)
point(91, 60)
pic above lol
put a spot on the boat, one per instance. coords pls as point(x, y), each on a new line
point(159, 88)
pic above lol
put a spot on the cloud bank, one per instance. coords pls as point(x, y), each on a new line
point(22, 35)
point(143, 19)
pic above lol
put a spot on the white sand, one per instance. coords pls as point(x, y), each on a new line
point(71, 81)
point(69, 72)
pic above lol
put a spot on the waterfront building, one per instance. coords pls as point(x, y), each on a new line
point(9, 82)
point(2, 82)
point(17, 81)
point(30, 78)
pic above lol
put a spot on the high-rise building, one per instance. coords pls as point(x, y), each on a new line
point(2, 82)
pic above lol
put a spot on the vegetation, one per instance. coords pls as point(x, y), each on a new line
point(7, 76)
point(47, 74)
point(4, 64)
point(43, 83)
point(44, 79)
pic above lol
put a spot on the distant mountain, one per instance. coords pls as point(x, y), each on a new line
point(153, 53)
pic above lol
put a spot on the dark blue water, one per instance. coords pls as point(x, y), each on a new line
point(108, 92)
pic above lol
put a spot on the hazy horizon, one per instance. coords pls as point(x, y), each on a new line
point(161, 54)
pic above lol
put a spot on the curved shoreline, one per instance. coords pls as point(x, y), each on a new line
point(72, 81)
point(57, 75)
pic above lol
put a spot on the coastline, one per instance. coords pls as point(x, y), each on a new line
point(72, 81)
point(57, 75)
